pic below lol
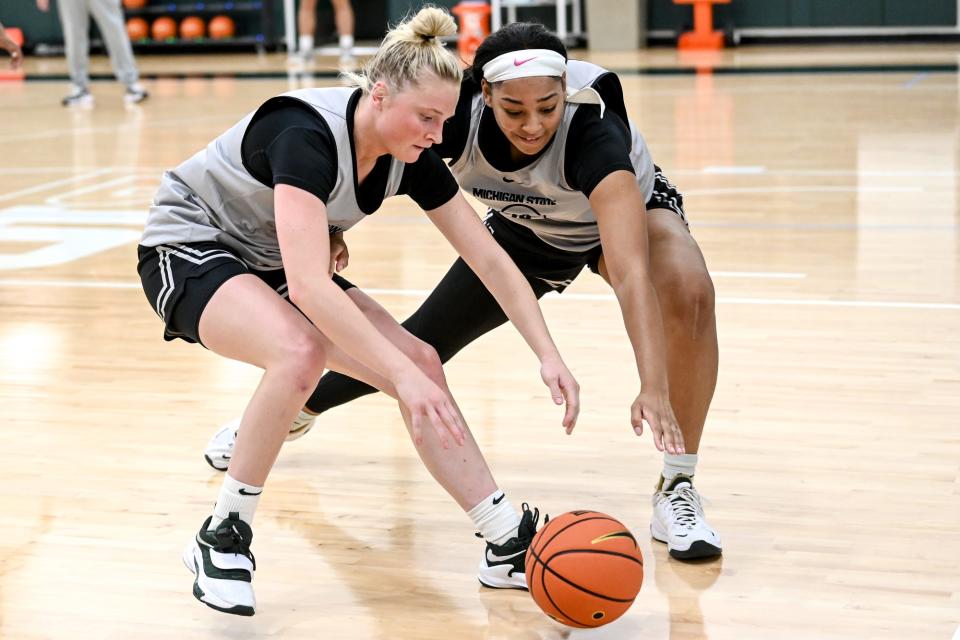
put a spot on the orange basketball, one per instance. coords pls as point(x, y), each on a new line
point(192, 28)
point(137, 29)
point(584, 569)
point(221, 27)
point(163, 28)
point(134, 4)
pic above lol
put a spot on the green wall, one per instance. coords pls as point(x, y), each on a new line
point(372, 15)
point(663, 14)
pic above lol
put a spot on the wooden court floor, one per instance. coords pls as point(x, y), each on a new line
point(827, 208)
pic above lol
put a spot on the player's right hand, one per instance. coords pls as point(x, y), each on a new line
point(339, 254)
point(655, 409)
point(429, 407)
point(16, 55)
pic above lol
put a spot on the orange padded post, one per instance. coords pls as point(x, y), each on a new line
point(703, 35)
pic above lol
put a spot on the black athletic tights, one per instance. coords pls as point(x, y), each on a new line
point(457, 312)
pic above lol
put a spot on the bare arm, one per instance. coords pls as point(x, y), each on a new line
point(303, 235)
point(619, 207)
point(7, 43)
point(463, 229)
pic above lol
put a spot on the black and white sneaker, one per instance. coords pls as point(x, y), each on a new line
point(223, 565)
point(78, 97)
point(678, 520)
point(220, 447)
point(135, 94)
point(504, 565)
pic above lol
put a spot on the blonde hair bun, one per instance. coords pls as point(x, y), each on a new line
point(411, 49)
point(432, 22)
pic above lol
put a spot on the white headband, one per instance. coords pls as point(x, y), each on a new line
point(525, 64)
point(528, 63)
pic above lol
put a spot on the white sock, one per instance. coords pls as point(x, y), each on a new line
point(346, 45)
point(306, 44)
point(495, 518)
point(235, 496)
point(673, 466)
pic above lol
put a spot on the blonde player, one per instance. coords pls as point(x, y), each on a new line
point(242, 229)
point(547, 145)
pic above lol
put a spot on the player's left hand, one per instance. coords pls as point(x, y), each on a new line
point(563, 389)
point(656, 410)
point(339, 255)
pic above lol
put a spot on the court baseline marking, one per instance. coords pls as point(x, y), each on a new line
point(598, 297)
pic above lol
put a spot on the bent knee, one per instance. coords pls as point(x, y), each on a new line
point(302, 359)
point(687, 300)
point(427, 360)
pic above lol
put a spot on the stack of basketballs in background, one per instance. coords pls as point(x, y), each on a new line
point(171, 23)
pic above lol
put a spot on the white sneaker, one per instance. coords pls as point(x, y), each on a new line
point(135, 94)
point(223, 565)
point(78, 97)
point(678, 520)
point(300, 59)
point(220, 447)
point(347, 62)
point(504, 565)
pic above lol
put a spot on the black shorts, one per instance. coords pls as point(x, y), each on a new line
point(180, 279)
point(666, 196)
point(556, 267)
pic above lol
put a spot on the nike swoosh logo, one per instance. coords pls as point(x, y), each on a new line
point(499, 498)
point(506, 179)
point(247, 493)
point(615, 534)
point(517, 63)
point(493, 558)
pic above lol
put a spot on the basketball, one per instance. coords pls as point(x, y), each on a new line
point(192, 28)
point(134, 4)
point(221, 27)
point(137, 29)
point(163, 28)
point(584, 569)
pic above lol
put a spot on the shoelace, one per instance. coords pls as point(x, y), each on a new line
point(528, 522)
point(234, 539)
point(685, 505)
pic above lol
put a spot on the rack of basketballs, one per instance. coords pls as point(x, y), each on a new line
point(155, 23)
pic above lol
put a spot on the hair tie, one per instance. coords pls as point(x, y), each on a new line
point(427, 37)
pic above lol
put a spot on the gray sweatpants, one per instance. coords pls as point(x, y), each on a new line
point(75, 18)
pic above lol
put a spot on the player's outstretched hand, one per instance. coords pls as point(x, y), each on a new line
point(656, 410)
point(563, 389)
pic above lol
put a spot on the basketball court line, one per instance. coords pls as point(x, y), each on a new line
point(598, 297)
point(45, 186)
point(915, 80)
point(708, 170)
point(762, 170)
point(57, 200)
point(112, 129)
point(802, 189)
point(720, 70)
